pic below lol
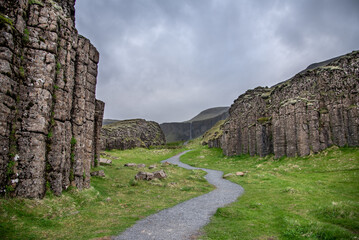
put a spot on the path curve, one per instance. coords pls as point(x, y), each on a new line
point(187, 218)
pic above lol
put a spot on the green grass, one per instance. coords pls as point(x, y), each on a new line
point(111, 205)
point(313, 197)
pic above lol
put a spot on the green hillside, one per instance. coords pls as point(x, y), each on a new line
point(209, 113)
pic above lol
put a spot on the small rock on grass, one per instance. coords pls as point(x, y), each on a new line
point(228, 175)
point(149, 176)
point(99, 173)
point(144, 176)
point(160, 174)
point(104, 161)
point(141, 165)
point(240, 174)
point(130, 165)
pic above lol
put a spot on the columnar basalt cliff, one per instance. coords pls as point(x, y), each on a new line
point(132, 133)
point(313, 110)
point(50, 119)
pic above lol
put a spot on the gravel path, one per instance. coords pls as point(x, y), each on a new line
point(185, 219)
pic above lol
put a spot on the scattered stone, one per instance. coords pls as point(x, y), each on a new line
point(141, 165)
point(149, 176)
point(240, 174)
point(152, 166)
point(105, 161)
point(228, 175)
point(130, 165)
point(144, 176)
point(160, 174)
point(108, 199)
point(99, 173)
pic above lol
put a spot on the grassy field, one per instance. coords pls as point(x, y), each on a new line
point(110, 206)
point(313, 197)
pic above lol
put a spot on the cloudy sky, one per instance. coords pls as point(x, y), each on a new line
point(167, 60)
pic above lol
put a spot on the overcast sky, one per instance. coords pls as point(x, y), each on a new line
point(167, 60)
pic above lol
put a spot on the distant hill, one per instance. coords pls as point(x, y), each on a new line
point(209, 113)
point(195, 127)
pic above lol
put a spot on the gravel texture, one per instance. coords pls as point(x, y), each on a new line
point(185, 219)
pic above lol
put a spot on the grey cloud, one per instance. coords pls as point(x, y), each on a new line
point(167, 60)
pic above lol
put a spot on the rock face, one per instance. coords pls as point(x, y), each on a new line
point(133, 133)
point(183, 131)
point(50, 119)
point(313, 110)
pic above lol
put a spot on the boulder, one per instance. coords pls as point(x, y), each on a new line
point(149, 176)
point(104, 161)
point(160, 174)
point(144, 176)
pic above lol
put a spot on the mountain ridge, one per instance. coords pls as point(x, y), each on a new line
point(196, 126)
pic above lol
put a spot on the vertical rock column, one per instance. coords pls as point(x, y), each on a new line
point(83, 113)
point(99, 110)
point(60, 129)
point(11, 74)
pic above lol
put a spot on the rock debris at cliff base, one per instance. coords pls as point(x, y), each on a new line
point(50, 118)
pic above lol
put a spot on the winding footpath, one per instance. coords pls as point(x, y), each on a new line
point(185, 219)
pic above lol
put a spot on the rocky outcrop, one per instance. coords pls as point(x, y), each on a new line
point(313, 110)
point(197, 126)
point(213, 136)
point(50, 118)
point(132, 133)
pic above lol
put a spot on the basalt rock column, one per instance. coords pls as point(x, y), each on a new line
point(49, 76)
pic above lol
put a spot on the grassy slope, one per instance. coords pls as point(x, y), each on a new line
point(209, 113)
point(110, 206)
point(214, 132)
point(314, 197)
